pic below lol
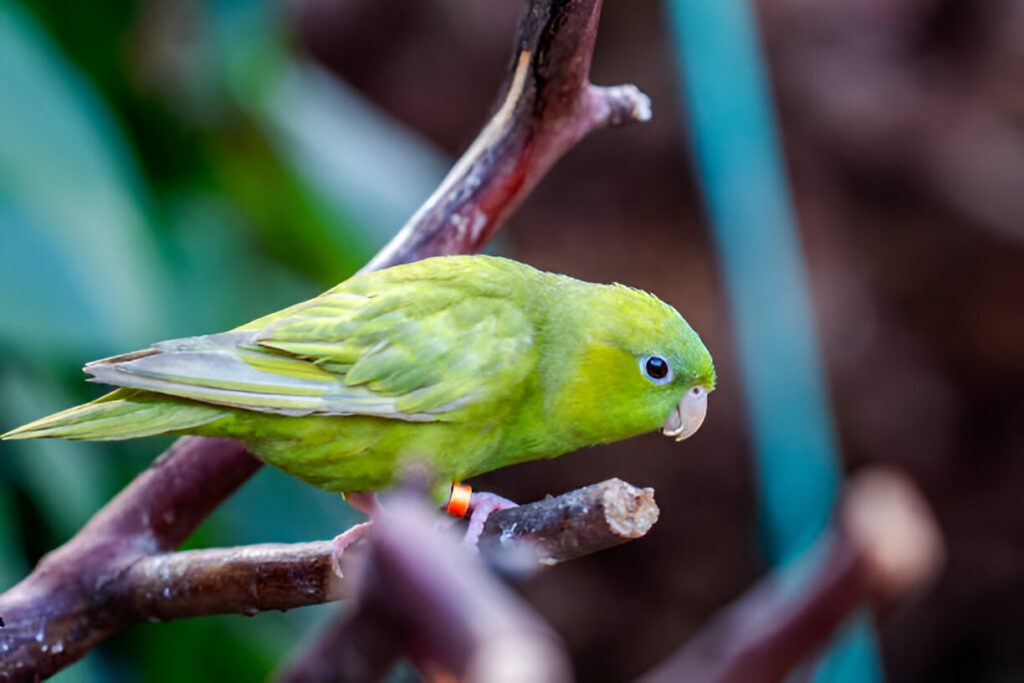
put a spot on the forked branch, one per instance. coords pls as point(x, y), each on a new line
point(70, 602)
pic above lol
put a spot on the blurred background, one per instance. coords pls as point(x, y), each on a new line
point(177, 167)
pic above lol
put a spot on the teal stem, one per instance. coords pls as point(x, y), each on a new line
point(740, 166)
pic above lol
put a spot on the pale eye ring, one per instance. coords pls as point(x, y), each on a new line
point(656, 369)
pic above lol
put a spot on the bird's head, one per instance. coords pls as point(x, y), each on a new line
point(636, 366)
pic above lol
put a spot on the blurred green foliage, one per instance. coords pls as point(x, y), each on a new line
point(167, 169)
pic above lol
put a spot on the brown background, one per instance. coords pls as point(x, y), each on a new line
point(903, 127)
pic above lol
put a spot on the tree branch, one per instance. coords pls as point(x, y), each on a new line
point(55, 615)
point(426, 596)
point(243, 580)
point(884, 544)
point(548, 105)
point(73, 617)
point(584, 521)
point(364, 644)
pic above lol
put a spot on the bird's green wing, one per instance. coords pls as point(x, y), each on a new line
point(413, 351)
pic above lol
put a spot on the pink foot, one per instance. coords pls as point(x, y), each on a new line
point(481, 505)
point(365, 502)
point(343, 541)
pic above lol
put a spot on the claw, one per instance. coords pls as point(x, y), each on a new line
point(481, 505)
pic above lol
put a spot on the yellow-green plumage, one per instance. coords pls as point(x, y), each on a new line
point(467, 362)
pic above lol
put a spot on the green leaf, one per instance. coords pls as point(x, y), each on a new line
point(66, 174)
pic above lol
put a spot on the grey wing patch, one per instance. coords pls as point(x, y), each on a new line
point(402, 356)
point(227, 369)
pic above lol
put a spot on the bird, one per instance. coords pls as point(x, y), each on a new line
point(465, 363)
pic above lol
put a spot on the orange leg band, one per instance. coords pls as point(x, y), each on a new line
point(458, 501)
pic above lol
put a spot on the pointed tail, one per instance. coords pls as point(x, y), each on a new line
point(121, 414)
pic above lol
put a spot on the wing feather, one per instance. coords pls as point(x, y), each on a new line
point(411, 350)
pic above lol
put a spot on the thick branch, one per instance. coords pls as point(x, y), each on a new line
point(57, 614)
point(884, 544)
point(73, 617)
point(244, 580)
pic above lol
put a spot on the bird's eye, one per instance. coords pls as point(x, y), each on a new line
point(656, 369)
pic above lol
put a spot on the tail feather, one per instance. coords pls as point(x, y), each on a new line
point(122, 414)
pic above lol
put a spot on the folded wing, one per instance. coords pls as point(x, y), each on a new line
point(414, 351)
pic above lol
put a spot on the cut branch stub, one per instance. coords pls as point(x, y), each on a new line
point(584, 521)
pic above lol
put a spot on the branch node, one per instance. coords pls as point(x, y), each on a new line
point(619, 105)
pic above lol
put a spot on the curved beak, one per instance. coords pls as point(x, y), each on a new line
point(688, 416)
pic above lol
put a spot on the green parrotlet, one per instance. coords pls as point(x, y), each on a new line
point(467, 363)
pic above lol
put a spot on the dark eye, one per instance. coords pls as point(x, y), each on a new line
point(656, 368)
